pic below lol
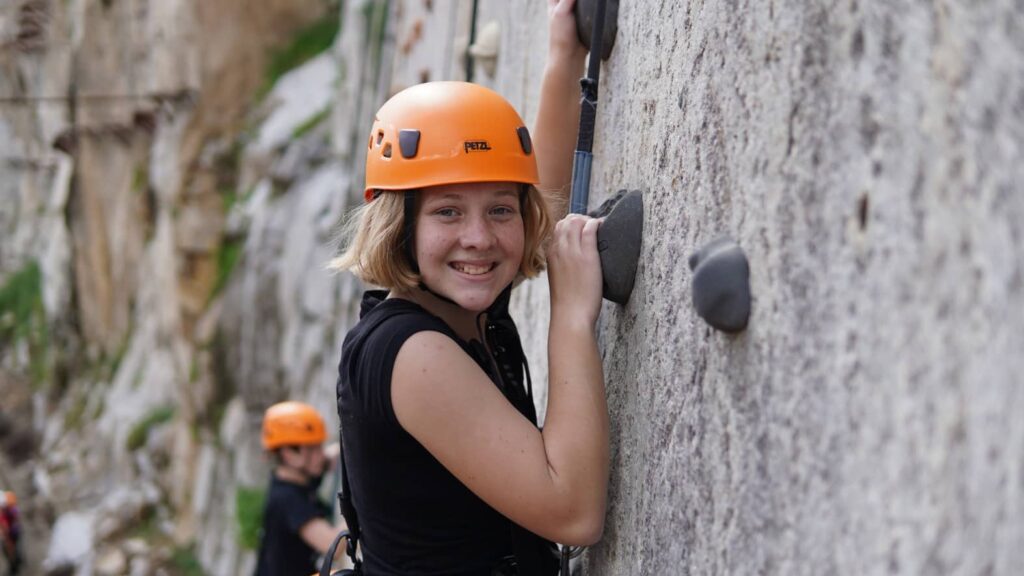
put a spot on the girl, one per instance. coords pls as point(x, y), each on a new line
point(448, 472)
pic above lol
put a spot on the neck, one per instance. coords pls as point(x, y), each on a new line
point(462, 321)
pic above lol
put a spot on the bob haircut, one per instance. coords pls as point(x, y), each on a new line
point(375, 232)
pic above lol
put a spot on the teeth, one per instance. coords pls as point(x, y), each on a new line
point(471, 269)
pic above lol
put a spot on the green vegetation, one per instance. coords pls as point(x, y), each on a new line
point(75, 415)
point(140, 178)
point(21, 302)
point(227, 258)
point(22, 317)
point(184, 563)
point(147, 527)
point(307, 44)
point(249, 511)
point(310, 123)
point(140, 431)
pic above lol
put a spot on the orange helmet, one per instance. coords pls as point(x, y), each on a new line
point(292, 424)
point(447, 133)
point(10, 499)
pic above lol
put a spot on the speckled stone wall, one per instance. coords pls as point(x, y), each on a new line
point(868, 158)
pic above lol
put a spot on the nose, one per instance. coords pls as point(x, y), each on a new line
point(477, 234)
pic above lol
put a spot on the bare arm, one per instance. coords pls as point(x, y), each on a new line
point(558, 114)
point(553, 483)
point(318, 534)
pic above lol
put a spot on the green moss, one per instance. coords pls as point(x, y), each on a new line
point(310, 123)
point(184, 563)
point(249, 512)
point(75, 415)
point(307, 44)
point(140, 431)
point(146, 527)
point(228, 256)
point(22, 317)
point(140, 179)
point(21, 301)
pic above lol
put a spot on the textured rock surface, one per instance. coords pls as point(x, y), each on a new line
point(868, 160)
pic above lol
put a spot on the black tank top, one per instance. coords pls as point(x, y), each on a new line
point(416, 517)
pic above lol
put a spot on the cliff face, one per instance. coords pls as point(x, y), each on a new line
point(121, 158)
point(867, 159)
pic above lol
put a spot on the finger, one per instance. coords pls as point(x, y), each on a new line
point(578, 223)
point(563, 230)
point(590, 233)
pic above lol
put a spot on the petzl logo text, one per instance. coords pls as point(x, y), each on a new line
point(476, 146)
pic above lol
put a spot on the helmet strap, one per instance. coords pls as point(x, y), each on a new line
point(408, 244)
point(409, 229)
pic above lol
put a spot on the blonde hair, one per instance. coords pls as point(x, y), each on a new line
point(374, 233)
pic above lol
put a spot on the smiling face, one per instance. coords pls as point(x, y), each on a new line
point(469, 240)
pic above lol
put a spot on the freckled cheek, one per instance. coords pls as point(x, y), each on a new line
point(431, 245)
point(515, 244)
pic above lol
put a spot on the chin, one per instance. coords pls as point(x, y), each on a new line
point(476, 304)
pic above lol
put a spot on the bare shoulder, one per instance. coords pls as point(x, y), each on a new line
point(432, 371)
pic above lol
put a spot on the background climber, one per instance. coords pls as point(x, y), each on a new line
point(10, 531)
point(295, 527)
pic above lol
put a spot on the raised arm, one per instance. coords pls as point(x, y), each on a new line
point(558, 114)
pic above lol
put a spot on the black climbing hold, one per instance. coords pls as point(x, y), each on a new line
point(524, 140)
point(585, 11)
point(618, 243)
point(721, 284)
point(409, 142)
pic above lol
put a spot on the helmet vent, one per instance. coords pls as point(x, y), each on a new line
point(524, 140)
point(387, 150)
point(409, 142)
point(369, 142)
point(380, 136)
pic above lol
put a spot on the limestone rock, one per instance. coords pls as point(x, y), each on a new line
point(72, 541)
point(110, 561)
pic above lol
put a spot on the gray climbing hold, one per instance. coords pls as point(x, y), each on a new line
point(618, 243)
point(721, 284)
point(585, 12)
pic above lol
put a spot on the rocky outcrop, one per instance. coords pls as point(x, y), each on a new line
point(120, 158)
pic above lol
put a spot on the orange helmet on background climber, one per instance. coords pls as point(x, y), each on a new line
point(10, 499)
point(447, 133)
point(292, 424)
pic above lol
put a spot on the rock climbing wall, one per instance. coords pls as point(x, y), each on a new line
point(867, 157)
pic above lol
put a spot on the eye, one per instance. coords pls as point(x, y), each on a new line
point(504, 211)
point(446, 212)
